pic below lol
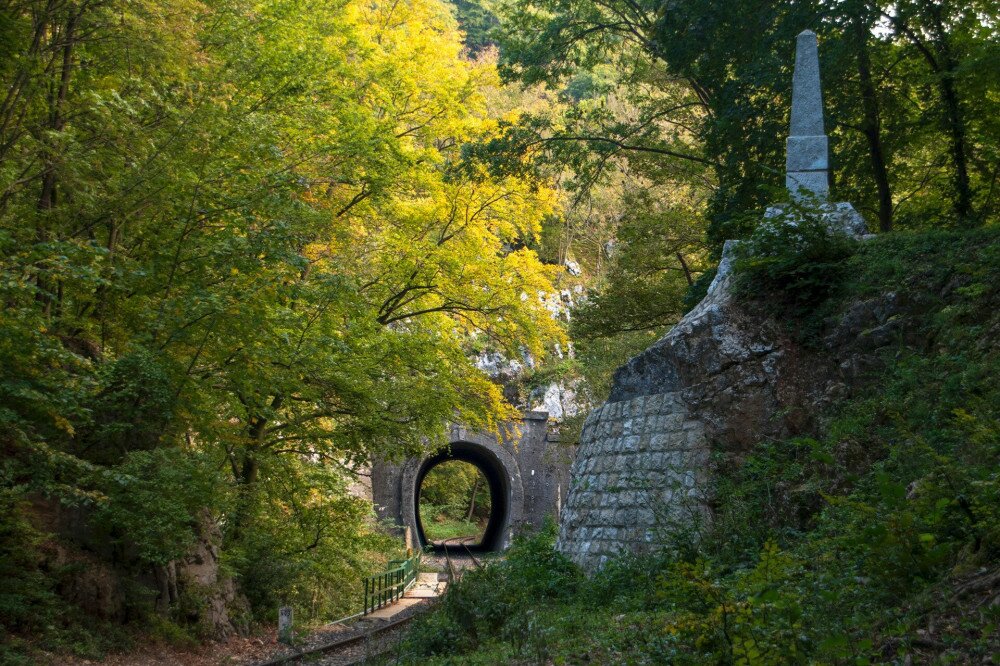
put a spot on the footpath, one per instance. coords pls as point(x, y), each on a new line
point(428, 586)
point(374, 633)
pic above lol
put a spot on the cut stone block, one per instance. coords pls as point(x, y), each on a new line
point(805, 185)
point(807, 95)
point(807, 153)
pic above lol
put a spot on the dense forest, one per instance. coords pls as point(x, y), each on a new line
point(247, 246)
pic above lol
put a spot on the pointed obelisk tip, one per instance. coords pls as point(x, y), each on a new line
point(807, 98)
point(807, 161)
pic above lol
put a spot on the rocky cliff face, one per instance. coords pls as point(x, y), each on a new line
point(726, 377)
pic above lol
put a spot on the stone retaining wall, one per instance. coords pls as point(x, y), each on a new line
point(638, 472)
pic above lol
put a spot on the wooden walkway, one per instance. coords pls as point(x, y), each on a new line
point(427, 587)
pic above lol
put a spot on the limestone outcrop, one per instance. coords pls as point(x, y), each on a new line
point(222, 611)
point(721, 379)
point(725, 378)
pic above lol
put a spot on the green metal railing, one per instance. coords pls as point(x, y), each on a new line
point(385, 588)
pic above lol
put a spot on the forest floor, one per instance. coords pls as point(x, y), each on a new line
point(264, 646)
point(446, 528)
point(236, 650)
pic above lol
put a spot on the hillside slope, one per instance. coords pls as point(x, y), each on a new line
point(871, 537)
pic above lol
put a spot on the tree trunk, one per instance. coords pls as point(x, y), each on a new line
point(249, 466)
point(57, 122)
point(248, 474)
point(686, 269)
point(872, 127)
point(248, 471)
point(944, 67)
point(956, 129)
point(166, 581)
point(954, 121)
point(472, 501)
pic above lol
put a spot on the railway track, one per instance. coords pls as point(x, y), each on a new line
point(350, 650)
point(369, 643)
point(463, 542)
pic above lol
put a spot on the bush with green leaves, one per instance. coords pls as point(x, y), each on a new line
point(307, 544)
point(131, 411)
point(154, 500)
point(33, 614)
point(28, 601)
point(455, 486)
point(794, 264)
point(488, 602)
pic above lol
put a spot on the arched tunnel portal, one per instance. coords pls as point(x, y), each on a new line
point(506, 491)
point(527, 475)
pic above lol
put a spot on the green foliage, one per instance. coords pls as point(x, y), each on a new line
point(33, 614)
point(488, 602)
point(454, 501)
point(883, 504)
point(439, 526)
point(544, 573)
point(27, 597)
point(246, 246)
point(794, 266)
point(658, 253)
point(153, 502)
point(243, 250)
point(477, 21)
point(449, 487)
point(132, 409)
point(905, 91)
point(307, 544)
point(171, 633)
point(698, 290)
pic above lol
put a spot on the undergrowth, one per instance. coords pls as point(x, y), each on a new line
point(795, 271)
point(439, 527)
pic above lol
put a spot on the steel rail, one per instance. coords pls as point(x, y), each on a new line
point(451, 567)
point(337, 644)
point(471, 556)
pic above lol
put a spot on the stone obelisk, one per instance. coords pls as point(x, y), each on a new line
point(808, 156)
point(807, 163)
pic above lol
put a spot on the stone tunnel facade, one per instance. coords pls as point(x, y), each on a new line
point(528, 476)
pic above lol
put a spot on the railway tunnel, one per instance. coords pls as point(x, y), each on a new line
point(505, 491)
point(527, 473)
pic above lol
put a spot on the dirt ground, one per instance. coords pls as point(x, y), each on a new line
point(236, 650)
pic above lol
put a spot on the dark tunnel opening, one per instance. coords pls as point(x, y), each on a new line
point(499, 487)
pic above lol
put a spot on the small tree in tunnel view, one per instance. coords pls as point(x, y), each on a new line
point(454, 501)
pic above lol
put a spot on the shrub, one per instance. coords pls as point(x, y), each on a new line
point(152, 503)
point(28, 602)
point(795, 267)
point(489, 603)
point(32, 614)
point(698, 290)
point(307, 545)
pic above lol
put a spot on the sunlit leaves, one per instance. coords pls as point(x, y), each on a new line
point(248, 233)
